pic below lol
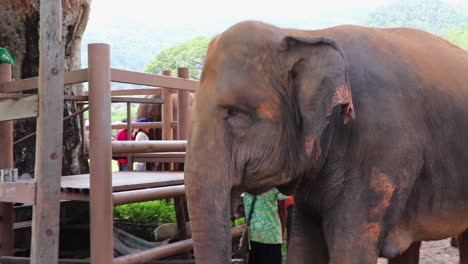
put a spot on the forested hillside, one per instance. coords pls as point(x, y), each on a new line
point(139, 45)
point(135, 42)
point(435, 16)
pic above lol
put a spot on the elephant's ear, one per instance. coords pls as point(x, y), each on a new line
point(318, 79)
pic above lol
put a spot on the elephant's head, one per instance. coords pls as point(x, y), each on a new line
point(264, 100)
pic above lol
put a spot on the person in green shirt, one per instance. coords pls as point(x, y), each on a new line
point(265, 227)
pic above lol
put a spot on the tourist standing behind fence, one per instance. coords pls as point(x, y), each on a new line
point(141, 135)
point(265, 228)
point(123, 135)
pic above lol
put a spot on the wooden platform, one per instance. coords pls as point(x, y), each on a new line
point(126, 180)
point(76, 187)
point(176, 157)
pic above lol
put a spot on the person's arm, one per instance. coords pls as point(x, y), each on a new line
point(280, 196)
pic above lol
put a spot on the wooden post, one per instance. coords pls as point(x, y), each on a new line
point(183, 113)
point(129, 165)
point(183, 116)
point(6, 161)
point(48, 167)
point(167, 117)
point(83, 131)
point(167, 112)
point(100, 154)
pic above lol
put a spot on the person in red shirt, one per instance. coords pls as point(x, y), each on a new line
point(123, 135)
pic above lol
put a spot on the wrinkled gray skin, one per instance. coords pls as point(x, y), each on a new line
point(366, 126)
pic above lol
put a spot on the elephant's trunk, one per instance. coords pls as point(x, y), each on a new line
point(209, 209)
point(208, 192)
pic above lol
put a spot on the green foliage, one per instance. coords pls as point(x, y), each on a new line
point(189, 54)
point(433, 16)
point(150, 213)
point(239, 221)
point(459, 36)
point(119, 111)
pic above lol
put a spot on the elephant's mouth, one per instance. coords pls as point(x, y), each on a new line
point(259, 190)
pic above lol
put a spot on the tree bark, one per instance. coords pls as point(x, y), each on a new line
point(19, 34)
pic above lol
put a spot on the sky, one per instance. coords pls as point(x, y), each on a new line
point(170, 12)
point(209, 13)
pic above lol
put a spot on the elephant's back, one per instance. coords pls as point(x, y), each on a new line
point(399, 52)
point(150, 111)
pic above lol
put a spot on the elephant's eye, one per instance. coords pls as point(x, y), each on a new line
point(231, 112)
point(237, 119)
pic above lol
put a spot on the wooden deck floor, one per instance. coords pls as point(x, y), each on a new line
point(76, 187)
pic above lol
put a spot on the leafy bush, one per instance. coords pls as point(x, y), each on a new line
point(140, 219)
point(147, 213)
point(239, 221)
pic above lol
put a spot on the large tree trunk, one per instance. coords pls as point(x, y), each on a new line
point(19, 34)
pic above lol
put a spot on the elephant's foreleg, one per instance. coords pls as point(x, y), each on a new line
point(307, 243)
point(462, 241)
point(410, 256)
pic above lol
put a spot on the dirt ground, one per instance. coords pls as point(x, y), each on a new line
point(435, 252)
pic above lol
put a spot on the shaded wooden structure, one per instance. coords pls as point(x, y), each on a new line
point(102, 188)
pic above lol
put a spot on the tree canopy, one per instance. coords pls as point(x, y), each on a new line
point(433, 16)
point(189, 54)
point(459, 36)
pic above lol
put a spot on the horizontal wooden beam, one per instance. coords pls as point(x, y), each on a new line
point(143, 125)
point(176, 157)
point(74, 196)
point(21, 225)
point(23, 260)
point(85, 98)
point(167, 250)
point(150, 194)
point(19, 108)
point(131, 77)
point(117, 99)
point(151, 91)
point(13, 95)
point(120, 76)
point(21, 192)
point(78, 76)
point(148, 146)
point(148, 91)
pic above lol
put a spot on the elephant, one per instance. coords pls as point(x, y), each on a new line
point(154, 114)
point(365, 126)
